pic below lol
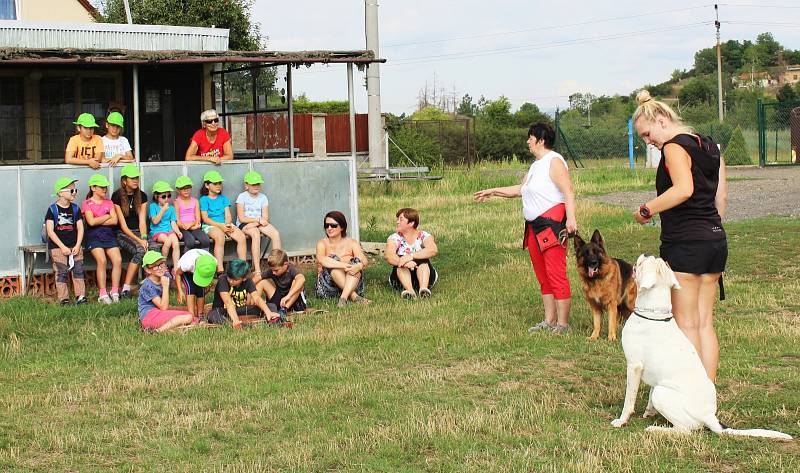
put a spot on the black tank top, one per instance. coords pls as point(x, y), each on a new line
point(697, 218)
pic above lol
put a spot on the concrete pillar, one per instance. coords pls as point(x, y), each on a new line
point(318, 135)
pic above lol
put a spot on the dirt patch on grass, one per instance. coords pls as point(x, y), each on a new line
point(752, 192)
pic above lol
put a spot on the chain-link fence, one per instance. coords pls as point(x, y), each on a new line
point(778, 132)
point(433, 143)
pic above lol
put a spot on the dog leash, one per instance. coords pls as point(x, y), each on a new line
point(635, 312)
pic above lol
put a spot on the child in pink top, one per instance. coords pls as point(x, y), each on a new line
point(101, 240)
point(188, 210)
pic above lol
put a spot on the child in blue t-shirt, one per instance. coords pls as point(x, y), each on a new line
point(252, 216)
point(215, 211)
point(164, 221)
point(154, 314)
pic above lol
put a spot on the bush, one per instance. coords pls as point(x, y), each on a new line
point(736, 152)
point(421, 149)
point(720, 132)
point(500, 143)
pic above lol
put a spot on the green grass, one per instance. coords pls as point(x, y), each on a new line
point(453, 383)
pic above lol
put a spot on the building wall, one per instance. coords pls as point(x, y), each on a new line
point(70, 11)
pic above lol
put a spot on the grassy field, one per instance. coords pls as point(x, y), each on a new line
point(453, 383)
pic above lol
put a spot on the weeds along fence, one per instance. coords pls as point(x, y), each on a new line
point(433, 143)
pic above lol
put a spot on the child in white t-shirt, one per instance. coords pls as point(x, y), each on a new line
point(252, 216)
point(117, 148)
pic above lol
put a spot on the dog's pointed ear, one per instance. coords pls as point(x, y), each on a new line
point(597, 238)
point(669, 275)
point(577, 242)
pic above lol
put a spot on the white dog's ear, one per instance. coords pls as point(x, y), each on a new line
point(669, 275)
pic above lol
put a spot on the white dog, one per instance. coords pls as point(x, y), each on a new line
point(658, 353)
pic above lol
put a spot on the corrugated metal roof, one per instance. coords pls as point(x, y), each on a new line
point(41, 35)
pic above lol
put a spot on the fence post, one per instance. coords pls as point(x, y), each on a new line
point(762, 138)
point(630, 142)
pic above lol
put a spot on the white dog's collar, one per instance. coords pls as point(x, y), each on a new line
point(664, 311)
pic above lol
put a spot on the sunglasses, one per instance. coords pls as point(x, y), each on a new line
point(331, 225)
point(71, 191)
point(213, 120)
point(165, 196)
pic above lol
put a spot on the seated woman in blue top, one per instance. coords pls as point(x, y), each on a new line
point(215, 211)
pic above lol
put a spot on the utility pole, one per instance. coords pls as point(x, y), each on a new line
point(719, 65)
point(377, 157)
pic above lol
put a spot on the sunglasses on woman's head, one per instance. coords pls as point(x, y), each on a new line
point(71, 191)
point(213, 120)
point(165, 196)
point(331, 225)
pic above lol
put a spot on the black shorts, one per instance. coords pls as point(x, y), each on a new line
point(696, 257)
point(190, 288)
point(395, 283)
point(299, 305)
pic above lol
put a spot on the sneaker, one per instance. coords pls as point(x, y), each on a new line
point(114, 297)
point(541, 326)
point(408, 295)
point(125, 294)
point(64, 302)
point(104, 299)
point(81, 300)
point(560, 329)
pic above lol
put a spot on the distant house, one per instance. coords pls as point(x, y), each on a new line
point(754, 79)
point(790, 75)
point(68, 11)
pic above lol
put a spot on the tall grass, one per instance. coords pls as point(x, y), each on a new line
point(453, 383)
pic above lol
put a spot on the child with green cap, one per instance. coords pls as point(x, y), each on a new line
point(194, 273)
point(252, 216)
point(85, 148)
point(154, 314)
point(189, 220)
point(130, 204)
point(163, 222)
point(117, 148)
point(215, 210)
point(64, 227)
point(101, 238)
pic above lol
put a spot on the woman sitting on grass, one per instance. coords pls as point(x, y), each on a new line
point(154, 297)
point(409, 251)
point(340, 263)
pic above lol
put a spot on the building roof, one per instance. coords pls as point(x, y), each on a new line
point(81, 36)
point(125, 56)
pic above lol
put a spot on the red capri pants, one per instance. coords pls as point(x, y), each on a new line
point(551, 266)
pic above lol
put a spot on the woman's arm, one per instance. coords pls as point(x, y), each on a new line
point(507, 192)
point(325, 260)
point(721, 199)
point(358, 252)
point(390, 253)
point(429, 249)
point(680, 171)
point(227, 151)
point(560, 176)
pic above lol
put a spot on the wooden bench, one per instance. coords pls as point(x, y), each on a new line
point(29, 254)
point(397, 173)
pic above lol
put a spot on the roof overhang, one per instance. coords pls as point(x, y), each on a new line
point(130, 57)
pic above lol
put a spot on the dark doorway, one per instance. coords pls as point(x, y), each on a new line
point(170, 104)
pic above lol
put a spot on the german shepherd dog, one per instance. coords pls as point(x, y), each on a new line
point(606, 282)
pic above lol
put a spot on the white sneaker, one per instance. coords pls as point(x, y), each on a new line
point(104, 299)
point(114, 297)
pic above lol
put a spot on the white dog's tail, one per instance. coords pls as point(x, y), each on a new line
point(719, 428)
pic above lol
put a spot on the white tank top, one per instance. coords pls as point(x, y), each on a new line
point(539, 192)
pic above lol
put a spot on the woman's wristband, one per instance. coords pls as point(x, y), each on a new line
point(645, 211)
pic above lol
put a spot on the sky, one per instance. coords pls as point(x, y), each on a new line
point(527, 50)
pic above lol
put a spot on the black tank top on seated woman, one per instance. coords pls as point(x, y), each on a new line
point(697, 218)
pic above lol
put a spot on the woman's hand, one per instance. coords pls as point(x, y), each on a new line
point(484, 195)
point(572, 225)
point(641, 220)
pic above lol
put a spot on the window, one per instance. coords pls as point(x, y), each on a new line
point(57, 112)
point(8, 10)
point(12, 119)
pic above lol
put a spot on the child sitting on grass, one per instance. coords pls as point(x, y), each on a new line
point(154, 297)
point(283, 283)
point(236, 295)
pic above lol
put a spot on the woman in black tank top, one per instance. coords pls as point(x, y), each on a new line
point(691, 198)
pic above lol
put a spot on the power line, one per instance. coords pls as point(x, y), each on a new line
point(748, 5)
point(763, 23)
point(545, 28)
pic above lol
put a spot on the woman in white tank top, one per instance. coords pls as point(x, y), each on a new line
point(548, 199)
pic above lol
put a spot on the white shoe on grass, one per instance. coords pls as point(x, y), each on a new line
point(104, 299)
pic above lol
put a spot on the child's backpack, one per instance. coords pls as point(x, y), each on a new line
point(54, 211)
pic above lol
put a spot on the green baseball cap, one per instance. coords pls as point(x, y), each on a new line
point(130, 170)
point(183, 181)
point(161, 186)
point(98, 180)
point(212, 176)
point(62, 183)
point(115, 118)
point(86, 120)
point(253, 177)
point(151, 257)
point(205, 267)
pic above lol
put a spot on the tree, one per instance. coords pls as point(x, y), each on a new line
point(529, 114)
point(768, 49)
point(705, 61)
point(736, 152)
point(697, 91)
point(231, 14)
point(498, 112)
point(466, 107)
point(786, 94)
point(430, 113)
